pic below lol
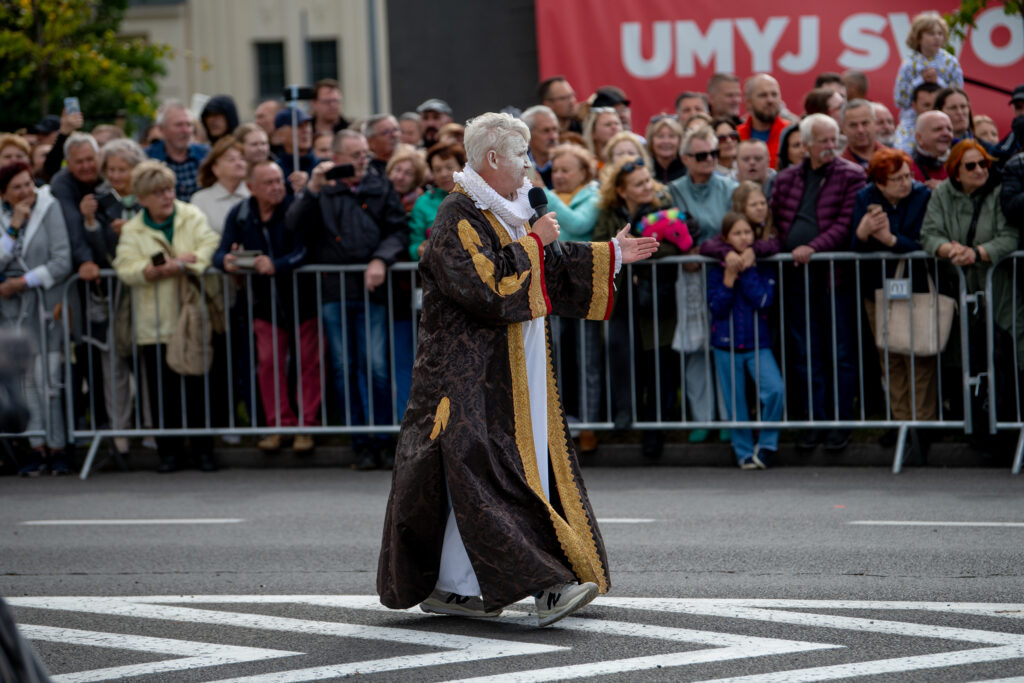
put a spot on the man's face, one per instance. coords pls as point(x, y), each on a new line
point(511, 169)
point(765, 101)
point(859, 128)
point(385, 136)
point(934, 133)
point(625, 115)
point(432, 122)
point(177, 128)
point(725, 99)
point(267, 184)
point(284, 134)
point(561, 98)
point(82, 164)
point(411, 132)
point(543, 135)
point(925, 101)
point(885, 125)
point(752, 162)
point(327, 105)
point(822, 149)
point(688, 107)
point(1018, 108)
point(217, 125)
point(264, 116)
point(354, 151)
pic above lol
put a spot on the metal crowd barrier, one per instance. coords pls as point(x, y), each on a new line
point(614, 348)
point(1010, 263)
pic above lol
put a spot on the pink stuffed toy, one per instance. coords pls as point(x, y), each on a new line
point(667, 224)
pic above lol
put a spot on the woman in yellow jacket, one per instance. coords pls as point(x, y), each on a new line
point(167, 240)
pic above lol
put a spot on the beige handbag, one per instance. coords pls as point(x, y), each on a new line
point(932, 317)
point(189, 350)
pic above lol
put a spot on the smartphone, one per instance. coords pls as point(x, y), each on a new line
point(109, 205)
point(298, 92)
point(158, 259)
point(340, 172)
point(71, 106)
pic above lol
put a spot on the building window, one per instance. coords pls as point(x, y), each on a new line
point(323, 58)
point(269, 70)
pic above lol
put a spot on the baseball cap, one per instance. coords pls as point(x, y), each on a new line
point(609, 98)
point(49, 124)
point(434, 104)
point(284, 117)
point(1018, 93)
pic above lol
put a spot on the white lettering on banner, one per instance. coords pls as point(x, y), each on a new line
point(807, 58)
point(863, 35)
point(981, 38)
point(716, 44)
point(761, 43)
point(866, 50)
point(661, 53)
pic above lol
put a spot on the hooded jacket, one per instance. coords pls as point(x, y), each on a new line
point(224, 105)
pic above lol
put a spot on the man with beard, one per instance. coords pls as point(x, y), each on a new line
point(858, 120)
point(434, 114)
point(813, 205)
point(932, 139)
point(885, 124)
point(487, 503)
point(764, 123)
point(557, 94)
point(543, 125)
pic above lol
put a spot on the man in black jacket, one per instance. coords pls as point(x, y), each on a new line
point(355, 219)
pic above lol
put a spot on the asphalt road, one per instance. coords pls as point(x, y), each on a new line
point(717, 574)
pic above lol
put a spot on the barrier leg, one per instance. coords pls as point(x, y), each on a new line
point(91, 457)
point(901, 444)
point(1020, 454)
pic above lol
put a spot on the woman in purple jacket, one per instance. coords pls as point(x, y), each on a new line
point(739, 296)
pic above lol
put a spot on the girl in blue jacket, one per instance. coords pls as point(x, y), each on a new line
point(739, 297)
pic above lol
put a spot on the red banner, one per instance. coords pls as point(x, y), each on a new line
point(656, 49)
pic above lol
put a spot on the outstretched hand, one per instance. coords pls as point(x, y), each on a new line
point(635, 248)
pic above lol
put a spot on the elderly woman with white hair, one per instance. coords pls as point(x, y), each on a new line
point(475, 521)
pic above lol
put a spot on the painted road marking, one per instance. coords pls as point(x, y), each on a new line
point(118, 522)
point(870, 522)
point(453, 649)
point(195, 654)
point(625, 520)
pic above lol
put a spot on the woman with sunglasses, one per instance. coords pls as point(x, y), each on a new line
point(629, 194)
point(728, 146)
point(965, 225)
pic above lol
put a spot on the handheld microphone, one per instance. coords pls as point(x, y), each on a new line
point(539, 204)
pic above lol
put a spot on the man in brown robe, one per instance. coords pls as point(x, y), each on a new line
point(487, 503)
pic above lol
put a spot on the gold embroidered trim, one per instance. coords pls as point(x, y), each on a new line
point(602, 266)
point(441, 417)
point(578, 539)
point(538, 307)
point(470, 239)
point(574, 536)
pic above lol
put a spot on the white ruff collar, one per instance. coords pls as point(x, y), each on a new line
point(512, 213)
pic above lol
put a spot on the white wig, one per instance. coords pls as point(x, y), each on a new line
point(492, 131)
point(812, 120)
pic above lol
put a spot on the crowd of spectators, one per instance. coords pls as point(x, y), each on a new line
point(256, 200)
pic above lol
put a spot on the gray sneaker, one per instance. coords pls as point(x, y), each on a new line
point(455, 605)
point(561, 600)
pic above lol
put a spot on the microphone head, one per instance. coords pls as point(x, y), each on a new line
point(537, 197)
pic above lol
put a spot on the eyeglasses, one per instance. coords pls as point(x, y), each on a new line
point(734, 136)
point(971, 165)
point(703, 156)
point(629, 167)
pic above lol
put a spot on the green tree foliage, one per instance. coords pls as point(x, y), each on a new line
point(52, 49)
point(963, 18)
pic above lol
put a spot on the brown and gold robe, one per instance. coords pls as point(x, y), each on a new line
point(468, 421)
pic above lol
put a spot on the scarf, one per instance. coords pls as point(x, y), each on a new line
point(512, 213)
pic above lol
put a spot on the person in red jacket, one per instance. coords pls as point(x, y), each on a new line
point(812, 204)
point(765, 121)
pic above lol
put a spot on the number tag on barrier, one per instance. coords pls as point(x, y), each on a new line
point(898, 289)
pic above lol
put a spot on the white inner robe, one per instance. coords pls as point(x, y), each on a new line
point(456, 572)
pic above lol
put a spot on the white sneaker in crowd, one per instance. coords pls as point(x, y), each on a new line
point(455, 605)
point(561, 600)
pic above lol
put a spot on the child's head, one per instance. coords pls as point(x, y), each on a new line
point(749, 201)
point(736, 231)
point(928, 33)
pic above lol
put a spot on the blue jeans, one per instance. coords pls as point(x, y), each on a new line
point(822, 402)
point(732, 374)
point(355, 360)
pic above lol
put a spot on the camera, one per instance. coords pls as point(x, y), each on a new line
point(292, 93)
point(110, 206)
point(158, 259)
point(340, 172)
